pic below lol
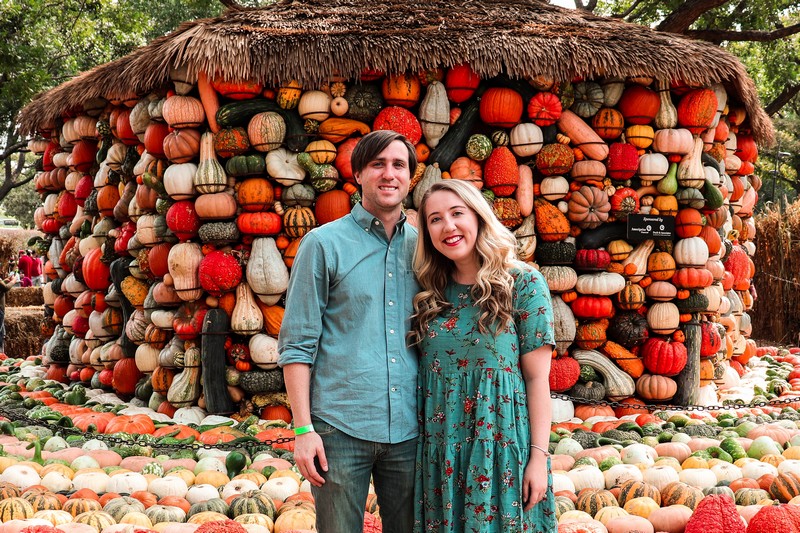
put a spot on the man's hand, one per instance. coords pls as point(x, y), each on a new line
point(308, 447)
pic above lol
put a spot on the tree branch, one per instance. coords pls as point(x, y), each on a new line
point(717, 36)
point(12, 149)
point(233, 5)
point(686, 14)
point(624, 15)
point(788, 93)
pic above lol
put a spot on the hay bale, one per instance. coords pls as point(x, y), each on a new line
point(22, 331)
point(24, 297)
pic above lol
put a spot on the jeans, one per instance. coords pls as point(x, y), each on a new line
point(341, 501)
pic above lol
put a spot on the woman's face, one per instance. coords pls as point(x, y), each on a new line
point(453, 227)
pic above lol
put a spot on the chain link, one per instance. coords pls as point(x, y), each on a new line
point(736, 404)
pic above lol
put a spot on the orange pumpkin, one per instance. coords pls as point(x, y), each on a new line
point(466, 169)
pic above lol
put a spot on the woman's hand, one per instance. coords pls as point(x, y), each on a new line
point(534, 480)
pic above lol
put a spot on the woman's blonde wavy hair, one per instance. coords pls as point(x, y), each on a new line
point(496, 249)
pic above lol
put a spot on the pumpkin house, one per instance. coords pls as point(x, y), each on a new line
point(177, 182)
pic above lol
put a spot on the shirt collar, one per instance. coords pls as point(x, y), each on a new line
point(366, 220)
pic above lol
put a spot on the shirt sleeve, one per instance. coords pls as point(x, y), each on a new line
point(306, 300)
point(534, 311)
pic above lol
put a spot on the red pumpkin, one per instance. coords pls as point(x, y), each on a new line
point(696, 110)
point(124, 131)
point(461, 82)
point(746, 148)
point(501, 107)
point(261, 224)
point(544, 109)
point(125, 376)
point(154, 137)
point(188, 320)
point(400, 120)
point(588, 259)
point(96, 274)
point(710, 339)
point(182, 220)
point(237, 90)
point(331, 205)
point(555, 159)
point(663, 356)
point(624, 202)
point(639, 105)
point(564, 373)
point(501, 173)
point(83, 189)
point(83, 155)
point(692, 278)
point(623, 161)
point(592, 307)
point(219, 272)
point(342, 161)
point(158, 259)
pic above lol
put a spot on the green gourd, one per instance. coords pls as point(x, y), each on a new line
point(713, 195)
point(668, 185)
point(324, 177)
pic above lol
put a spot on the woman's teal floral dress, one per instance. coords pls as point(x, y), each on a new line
point(475, 432)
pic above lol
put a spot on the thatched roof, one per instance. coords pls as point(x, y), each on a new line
point(311, 40)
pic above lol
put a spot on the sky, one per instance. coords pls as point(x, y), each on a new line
point(564, 3)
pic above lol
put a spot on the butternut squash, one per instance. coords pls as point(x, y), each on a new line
point(209, 99)
point(337, 129)
point(582, 135)
point(639, 257)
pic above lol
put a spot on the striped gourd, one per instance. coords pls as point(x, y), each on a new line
point(165, 513)
point(252, 501)
point(206, 516)
point(78, 506)
point(119, 507)
point(8, 490)
point(679, 493)
point(632, 488)
point(42, 500)
point(256, 518)
point(15, 509)
point(563, 504)
point(217, 505)
point(590, 501)
point(96, 519)
point(785, 486)
point(748, 496)
point(298, 221)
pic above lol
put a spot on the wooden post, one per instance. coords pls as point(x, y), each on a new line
point(689, 379)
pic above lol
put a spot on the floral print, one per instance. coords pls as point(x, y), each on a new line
point(475, 432)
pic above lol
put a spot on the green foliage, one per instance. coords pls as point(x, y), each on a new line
point(21, 202)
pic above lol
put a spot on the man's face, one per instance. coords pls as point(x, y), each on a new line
point(385, 180)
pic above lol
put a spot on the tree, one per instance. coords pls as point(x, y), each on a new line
point(43, 44)
point(762, 33)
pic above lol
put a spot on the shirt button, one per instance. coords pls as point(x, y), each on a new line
point(376, 222)
point(391, 303)
point(390, 274)
point(391, 331)
point(394, 389)
point(394, 360)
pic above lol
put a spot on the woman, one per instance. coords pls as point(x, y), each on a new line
point(483, 324)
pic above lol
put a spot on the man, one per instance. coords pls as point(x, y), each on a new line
point(25, 262)
point(36, 269)
point(350, 376)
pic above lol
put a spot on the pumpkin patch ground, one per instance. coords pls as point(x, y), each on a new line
point(175, 199)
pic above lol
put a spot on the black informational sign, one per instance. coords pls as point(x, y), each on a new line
point(658, 227)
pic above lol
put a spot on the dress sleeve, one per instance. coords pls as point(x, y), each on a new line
point(534, 311)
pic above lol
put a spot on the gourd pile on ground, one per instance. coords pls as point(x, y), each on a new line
point(81, 465)
point(175, 216)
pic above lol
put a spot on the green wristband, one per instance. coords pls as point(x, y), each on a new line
point(302, 430)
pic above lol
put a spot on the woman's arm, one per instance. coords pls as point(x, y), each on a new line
point(535, 367)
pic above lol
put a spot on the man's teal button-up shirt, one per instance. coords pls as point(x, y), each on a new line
point(347, 313)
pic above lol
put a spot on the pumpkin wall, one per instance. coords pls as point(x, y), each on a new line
point(174, 218)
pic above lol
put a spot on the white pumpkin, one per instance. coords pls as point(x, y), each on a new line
point(554, 188)
point(727, 472)
point(755, 469)
point(96, 481)
point(127, 483)
point(691, 252)
point(54, 517)
point(702, 478)
point(168, 486)
point(653, 167)
point(587, 477)
point(281, 488)
point(179, 181)
point(57, 482)
point(660, 476)
point(201, 493)
point(561, 481)
point(237, 486)
point(526, 139)
point(283, 167)
point(600, 283)
point(617, 474)
point(264, 351)
point(22, 476)
point(561, 410)
point(189, 415)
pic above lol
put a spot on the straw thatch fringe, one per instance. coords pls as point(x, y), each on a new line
point(314, 40)
point(776, 311)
